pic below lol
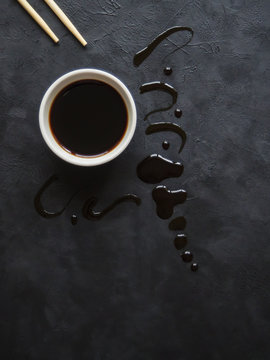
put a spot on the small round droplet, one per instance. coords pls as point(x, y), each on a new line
point(178, 113)
point(165, 145)
point(167, 70)
point(180, 241)
point(187, 256)
point(74, 219)
point(194, 267)
point(179, 223)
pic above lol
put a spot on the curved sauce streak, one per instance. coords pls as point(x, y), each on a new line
point(38, 204)
point(161, 86)
point(168, 126)
point(141, 55)
point(91, 214)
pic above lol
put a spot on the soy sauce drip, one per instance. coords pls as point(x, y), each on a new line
point(74, 219)
point(38, 204)
point(161, 86)
point(180, 241)
point(168, 126)
point(166, 200)
point(156, 168)
point(178, 113)
point(167, 70)
point(141, 55)
point(165, 145)
point(194, 267)
point(179, 223)
point(91, 214)
point(187, 256)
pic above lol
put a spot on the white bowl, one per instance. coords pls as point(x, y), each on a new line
point(60, 84)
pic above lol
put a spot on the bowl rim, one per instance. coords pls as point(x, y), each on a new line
point(60, 84)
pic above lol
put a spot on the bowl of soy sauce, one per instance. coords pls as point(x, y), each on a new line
point(87, 117)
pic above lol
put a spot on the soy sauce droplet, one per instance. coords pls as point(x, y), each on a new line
point(167, 70)
point(179, 223)
point(178, 113)
point(194, 267)
point(165, 145)
point(74, 219)
point(156, 168)
point(187, 256)
point(180, 241)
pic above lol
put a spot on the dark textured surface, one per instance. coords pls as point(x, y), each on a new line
point(118, 289)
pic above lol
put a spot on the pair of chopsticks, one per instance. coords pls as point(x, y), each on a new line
point(58, 12)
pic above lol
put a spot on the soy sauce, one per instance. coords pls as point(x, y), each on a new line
point(88, 118)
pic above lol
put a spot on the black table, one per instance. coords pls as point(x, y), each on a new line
point(117, 288)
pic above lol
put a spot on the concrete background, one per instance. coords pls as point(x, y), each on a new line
point(117, 289)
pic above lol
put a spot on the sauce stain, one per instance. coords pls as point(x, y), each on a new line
point(166, 200)
point(179, 223)
point(38, 204)
point(194, 267)
point(141, 55)
point(187, 256)
point(74, 219)
point(161, 86)
point(178, 113)
point(156, 168)
point(180, 241)
point(167, 70)
point(168, 126)
point(165, 145)
point(91, 214)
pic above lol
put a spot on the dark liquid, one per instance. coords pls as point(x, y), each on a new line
point(168, 126)
point(91, 214)
point(165, 145)
point(178, 113)
point(88, 118)
point(144, 53)
point(194, 267)
point(166, 200)
point(178, 223)
point(167, 70)
point(156, 168)
point(180, 241)
point(187, 256)
point(161, 86)
point(38, 204)
point(74, 219)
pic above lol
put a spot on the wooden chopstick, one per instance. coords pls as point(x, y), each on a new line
point(25, 4)
point(65, 20)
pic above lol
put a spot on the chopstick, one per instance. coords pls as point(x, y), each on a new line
point(25, 4)
point(65, 20)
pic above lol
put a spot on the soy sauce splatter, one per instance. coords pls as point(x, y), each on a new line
point(167, 70)
point(74, 219)
point(168, 126)
point(38, 204)
point(178, 113)
point(166, 200)
point(194, 267)
point(165, 145)
point(187, 256)
point(161, 86)
point(180, 241)
point(141, 55)
point(156, 168)
point(91, 214)
point(179, 223)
